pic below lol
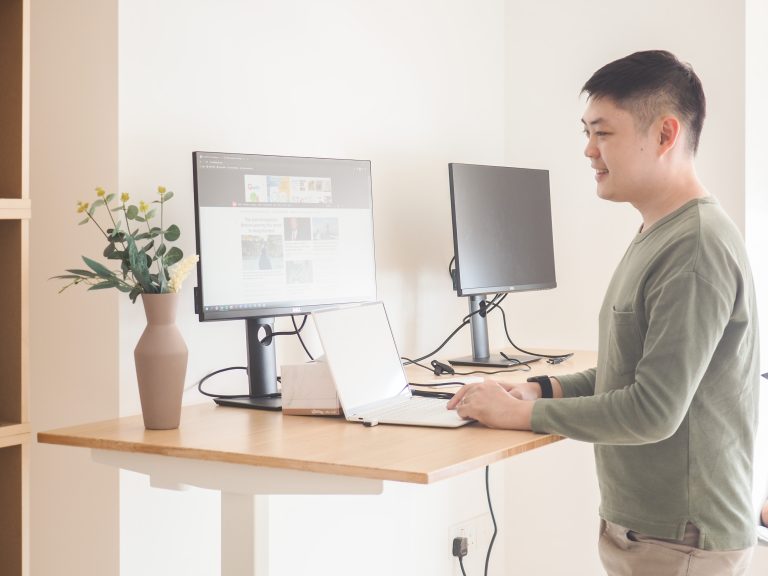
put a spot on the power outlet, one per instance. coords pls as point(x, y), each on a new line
point(478, 532)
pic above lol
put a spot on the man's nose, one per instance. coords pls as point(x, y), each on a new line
point(590, 150)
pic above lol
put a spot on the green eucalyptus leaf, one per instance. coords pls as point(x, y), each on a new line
point(110, 197)
point(138, 265)
point(135, 293)
point(124, 288)
point(151, 214)
point(160, 250)
point(102, 285)
point(139, 219)
point(163, 281)
point(96, 203)
point(167, 196)
point(83, 222)
point(172, 233)
point(132, 212)
point(101, 270)
point(79, 272)
point(173, 256)
point(109, 250)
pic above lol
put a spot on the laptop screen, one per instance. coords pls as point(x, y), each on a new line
point(361, 354)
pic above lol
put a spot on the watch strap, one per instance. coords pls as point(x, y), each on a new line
point(545, 383)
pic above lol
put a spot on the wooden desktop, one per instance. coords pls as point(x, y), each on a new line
point(245, 453)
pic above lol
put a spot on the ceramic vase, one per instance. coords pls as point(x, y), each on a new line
point(161, 363)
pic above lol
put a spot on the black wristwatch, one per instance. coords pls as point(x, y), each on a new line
point(545, 383)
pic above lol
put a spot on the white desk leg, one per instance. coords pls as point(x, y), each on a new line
point(244, 535)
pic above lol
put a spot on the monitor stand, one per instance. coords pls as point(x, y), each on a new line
point(262, 369)
point(480, 349)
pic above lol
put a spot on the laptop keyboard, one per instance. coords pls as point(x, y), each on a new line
point(417, 407)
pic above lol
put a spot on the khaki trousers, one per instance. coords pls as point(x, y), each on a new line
point(628, 553)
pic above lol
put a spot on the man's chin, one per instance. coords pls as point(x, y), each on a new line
point(607, 194)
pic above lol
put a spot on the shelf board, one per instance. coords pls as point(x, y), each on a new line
point(10, 429)
point(15, 208)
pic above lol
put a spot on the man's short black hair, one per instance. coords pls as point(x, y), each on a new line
point(649, 84)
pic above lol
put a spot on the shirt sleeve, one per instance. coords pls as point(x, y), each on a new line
point(688, 315)
point(578, 384)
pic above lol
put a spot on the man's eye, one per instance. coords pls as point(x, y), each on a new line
point(601, 133)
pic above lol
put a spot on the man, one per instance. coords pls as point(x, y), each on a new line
point(672, 404)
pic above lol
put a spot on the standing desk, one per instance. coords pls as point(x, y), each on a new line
point(248, 455)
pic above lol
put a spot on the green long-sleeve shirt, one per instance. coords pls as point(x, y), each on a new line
point(672, 404)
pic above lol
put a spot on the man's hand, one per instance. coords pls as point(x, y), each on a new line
point(521, 390)
point(495, 405)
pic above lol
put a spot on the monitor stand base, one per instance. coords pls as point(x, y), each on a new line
point(270, 402)
point(495, 360)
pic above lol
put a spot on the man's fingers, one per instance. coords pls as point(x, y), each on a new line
point(458, 397)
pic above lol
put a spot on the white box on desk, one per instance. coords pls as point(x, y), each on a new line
point(308, 389)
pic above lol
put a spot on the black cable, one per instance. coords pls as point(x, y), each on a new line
point(290, 333)
point(436, 350)
point(464, 322)
point(461, 564)
point(219, 371)
point(430, 394)
point(520, 366)
point(229, 396)
point(559, 357)
point(298, 335)
point(493, 518)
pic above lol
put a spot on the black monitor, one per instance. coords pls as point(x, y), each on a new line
point(502, 241)
point(279, 236)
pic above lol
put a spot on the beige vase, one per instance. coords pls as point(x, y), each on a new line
point(161, 363)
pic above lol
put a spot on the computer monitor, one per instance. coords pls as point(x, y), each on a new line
point(279, 236)
point(502, 241)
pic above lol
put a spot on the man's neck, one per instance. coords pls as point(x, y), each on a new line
point(669, 197)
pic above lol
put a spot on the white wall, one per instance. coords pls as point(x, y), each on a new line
point(410, 86)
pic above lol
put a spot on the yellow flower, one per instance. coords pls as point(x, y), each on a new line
point(143, 207)
point(124, 197)
point(82, 207)
point(100, 192)
point(161, 190)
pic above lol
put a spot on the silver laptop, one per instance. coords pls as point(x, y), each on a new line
point(366, 367)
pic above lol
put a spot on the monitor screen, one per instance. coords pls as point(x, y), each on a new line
point(502, 229)
point(281, 235)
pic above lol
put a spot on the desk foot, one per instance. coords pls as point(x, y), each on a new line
point(244, 535)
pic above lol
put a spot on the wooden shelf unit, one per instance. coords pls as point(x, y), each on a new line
point(15, 211)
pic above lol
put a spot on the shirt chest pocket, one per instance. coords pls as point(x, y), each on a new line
point(625, 343)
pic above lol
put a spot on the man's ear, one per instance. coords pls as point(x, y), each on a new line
point(668, 134)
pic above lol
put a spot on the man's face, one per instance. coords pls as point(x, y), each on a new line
point(620, 155)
